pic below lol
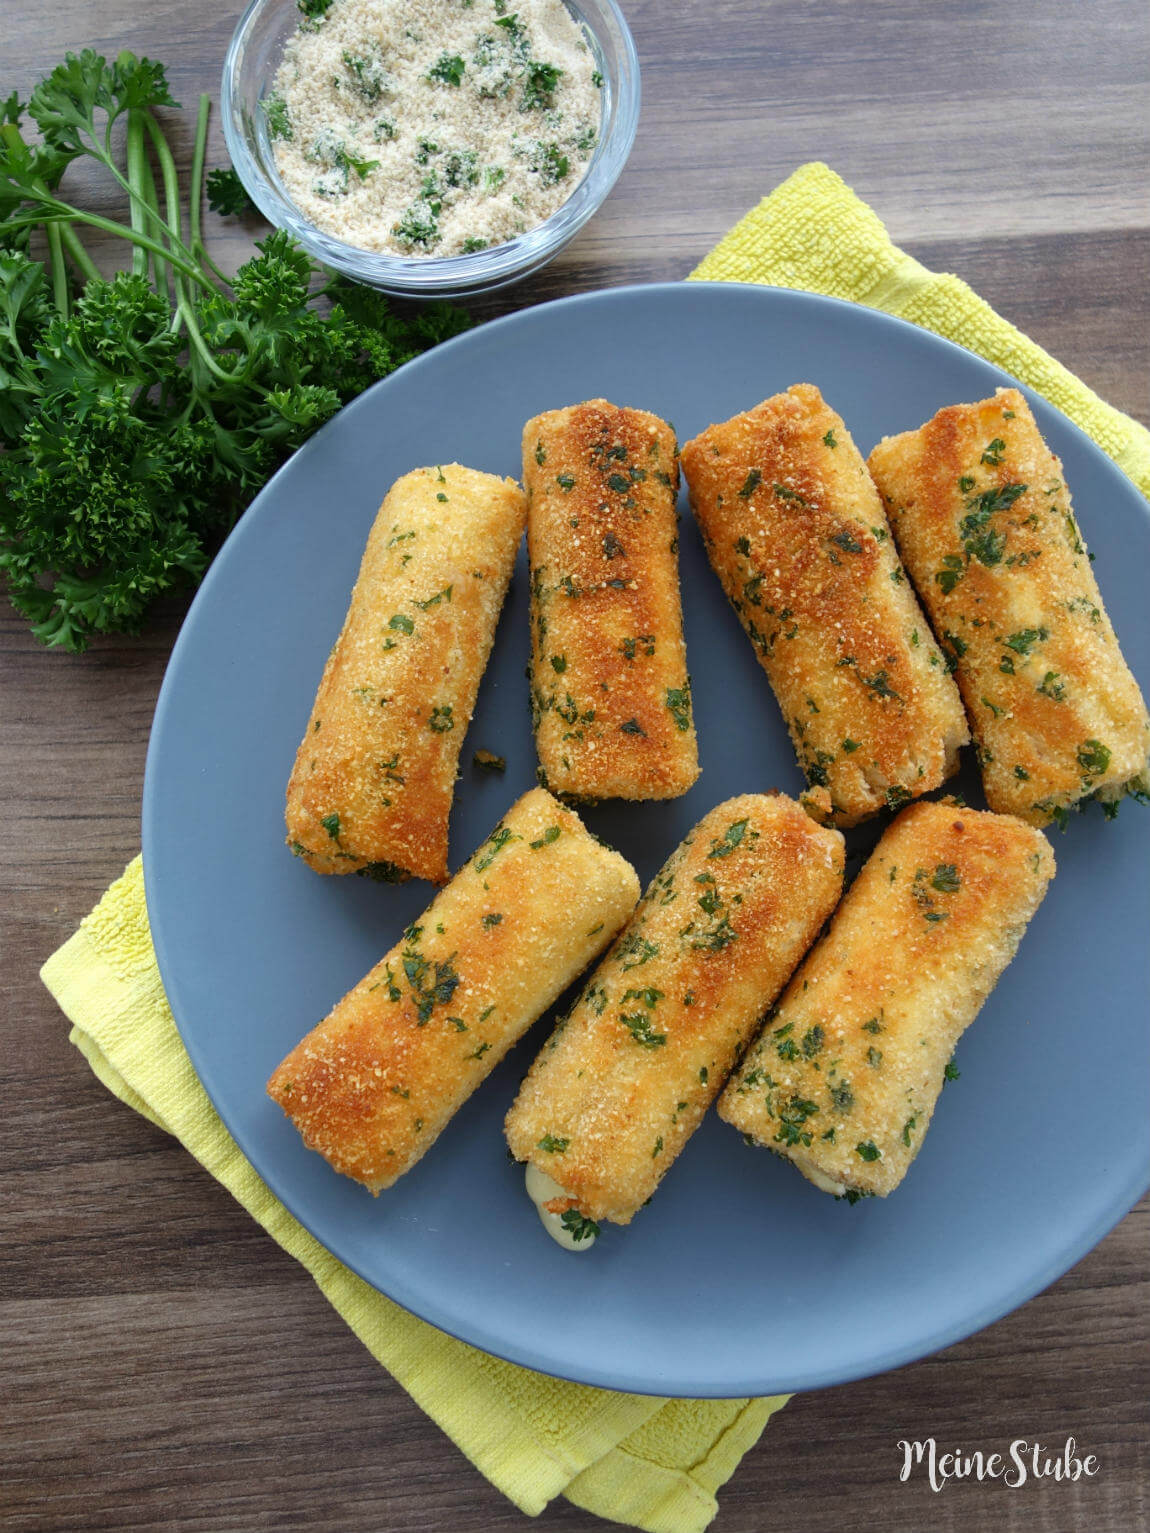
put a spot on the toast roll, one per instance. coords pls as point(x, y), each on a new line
point(610, 695)
point(628, 1075)
point(982, 517)
point(374, 777)
point(844, 1077)
point(795, 532)
point(374, 1084)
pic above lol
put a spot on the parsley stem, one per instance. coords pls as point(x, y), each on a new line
point(108, 160)
point(184, 305)
point(196, 192)
point(137, 175)
point(75, 248)
point(163, 270)
point(53, 211)
point(59, 270)
point(170, 179)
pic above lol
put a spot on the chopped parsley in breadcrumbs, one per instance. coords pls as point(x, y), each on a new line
point(433, 127)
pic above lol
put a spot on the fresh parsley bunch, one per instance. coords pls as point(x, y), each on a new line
point(139, 414)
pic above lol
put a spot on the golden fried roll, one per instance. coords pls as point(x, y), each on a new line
point(627, 1076)
point(982, 517)
point(373, 1085)
point(373, 780)
point(610, 696)
point(796, 534)
point(844, 1077)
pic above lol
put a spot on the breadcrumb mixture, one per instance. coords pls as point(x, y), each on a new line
point(433, 127)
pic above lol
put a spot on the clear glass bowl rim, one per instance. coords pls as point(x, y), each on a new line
point(432, 276)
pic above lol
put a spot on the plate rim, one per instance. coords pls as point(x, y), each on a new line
point(1123, 1199)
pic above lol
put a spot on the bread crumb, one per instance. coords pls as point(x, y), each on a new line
point(433, 127)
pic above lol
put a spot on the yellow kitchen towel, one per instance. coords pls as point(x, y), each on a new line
point(812, 232)
point(654, 1463)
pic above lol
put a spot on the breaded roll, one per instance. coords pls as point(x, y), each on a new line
point(373, 1085)
point(373, 780)
point(610, 696)
point(983, 521)
point(627, 1076)
point(796, 533)
point(844, 1078)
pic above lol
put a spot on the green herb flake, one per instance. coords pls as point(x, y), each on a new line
point(553, 1144)
point(401, 623)
point(447, 70)
point(792, 1118)
point(679, 704)
point(731, 838)
point(1093, 757)
point(637, 948)
point(639, 1025)
point(842, 1097)
point(441, 721)
point(383, 872)
point(578, 1225)
point(330, 823)
point(434, 601)
point(868, 1150)
point(829, 439)
point(1023, 641)
point(548, 838)
point(491, 848)
point(277, 117)
point(492, 920)
point(946, 878)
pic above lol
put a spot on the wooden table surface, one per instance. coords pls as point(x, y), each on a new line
point(164, 1364)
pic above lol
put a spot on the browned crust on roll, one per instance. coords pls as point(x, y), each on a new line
point(628, 1074)
point(983, 520)
point(796, 533)
point(374, 1084)
point(374, 777)
point(610, 695)
point(844, 1078)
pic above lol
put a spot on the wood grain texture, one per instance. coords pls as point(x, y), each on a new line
point(150, 1355)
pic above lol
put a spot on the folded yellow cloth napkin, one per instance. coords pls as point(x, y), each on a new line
point(812, 232)
point(653, 1463)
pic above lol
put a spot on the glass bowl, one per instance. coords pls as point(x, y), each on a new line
point(252, 60)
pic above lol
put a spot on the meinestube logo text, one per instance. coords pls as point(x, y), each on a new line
point(1021, 1461)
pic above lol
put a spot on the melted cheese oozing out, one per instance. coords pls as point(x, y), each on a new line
point(823, 1182)
point(542, 1189)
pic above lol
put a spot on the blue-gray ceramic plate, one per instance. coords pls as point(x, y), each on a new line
point(740, 1278)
